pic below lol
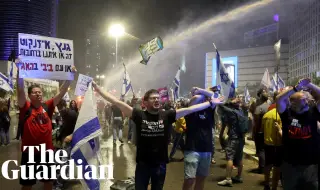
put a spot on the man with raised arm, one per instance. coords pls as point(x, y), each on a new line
point(152, 129)
point(198, 144)
point(300, 134)
point(35, 122)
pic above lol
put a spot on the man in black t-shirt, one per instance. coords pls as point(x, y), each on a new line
point(300, 135)
point(198, 145)
point(152, 129)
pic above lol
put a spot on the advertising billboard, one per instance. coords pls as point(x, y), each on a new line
point(231, 65)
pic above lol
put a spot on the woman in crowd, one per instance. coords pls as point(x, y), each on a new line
point(4, 122)
point(73, 106)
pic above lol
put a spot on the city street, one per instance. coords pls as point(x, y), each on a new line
point(123, 158)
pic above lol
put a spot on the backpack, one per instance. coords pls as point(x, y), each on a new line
point(243, 123)
point(28, 114)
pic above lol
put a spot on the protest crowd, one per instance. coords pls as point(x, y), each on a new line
point(284, 124)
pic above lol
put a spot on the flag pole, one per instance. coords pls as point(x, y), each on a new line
point(125, 71)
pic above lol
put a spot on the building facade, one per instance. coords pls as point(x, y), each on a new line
point(304, 40)
point(93, 53)
point(37, 17)
point(247, 66)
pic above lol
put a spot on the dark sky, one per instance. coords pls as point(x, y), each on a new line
point(146, 19)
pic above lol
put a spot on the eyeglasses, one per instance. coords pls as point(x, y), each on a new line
point(154, 98)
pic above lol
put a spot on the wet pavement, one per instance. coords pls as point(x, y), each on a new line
point(123, 158)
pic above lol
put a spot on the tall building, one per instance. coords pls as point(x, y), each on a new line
point(37, 17)
point(93, 53)
point(304, 40)
point(247, 66)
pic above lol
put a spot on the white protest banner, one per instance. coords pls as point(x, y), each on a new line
point(45, 58)
point(82, 85)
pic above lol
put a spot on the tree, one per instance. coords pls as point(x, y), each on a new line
point(293, 81)
point(315, 79)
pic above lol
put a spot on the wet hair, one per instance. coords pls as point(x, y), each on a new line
point(148, 93)
point(30, 88)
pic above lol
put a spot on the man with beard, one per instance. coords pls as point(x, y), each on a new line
point(236, 119)
point(300, 137)
point(198, 145)
point(152, 129)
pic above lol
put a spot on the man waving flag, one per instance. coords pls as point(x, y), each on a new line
point(223, 79)
point(85, 139)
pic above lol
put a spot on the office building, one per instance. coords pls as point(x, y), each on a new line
point(247, 66)
point(37, 17)
point(304, 40)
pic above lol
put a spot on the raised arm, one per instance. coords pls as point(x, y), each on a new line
point(316, 92)
point(282, 98)
point(125, 108)
point(186, 111)
point(20, 91)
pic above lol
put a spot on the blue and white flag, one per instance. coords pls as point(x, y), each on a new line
point(4, 83)
point(277, 83)
point(266, 81)
point(176, 83)
point(126, 85)
point(224, 80)
point(246, 95)
point(85, 139)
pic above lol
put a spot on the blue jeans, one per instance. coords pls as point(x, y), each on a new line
point(196, 164)
point(145, 172)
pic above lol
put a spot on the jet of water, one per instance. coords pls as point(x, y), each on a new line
point(136, 69)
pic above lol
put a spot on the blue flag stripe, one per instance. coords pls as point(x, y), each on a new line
point(93, 184)
point(85, 130)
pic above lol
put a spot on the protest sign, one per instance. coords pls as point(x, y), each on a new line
point(45, 57)
point(82, 85)
point(148, 49)
point(164, 95)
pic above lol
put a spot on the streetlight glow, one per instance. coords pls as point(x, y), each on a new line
point(116, 30)
point(102, 76)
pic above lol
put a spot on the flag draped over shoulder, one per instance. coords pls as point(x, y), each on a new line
point(85, 139)
point(126, 85)
point(224, 80)
point(4, 83)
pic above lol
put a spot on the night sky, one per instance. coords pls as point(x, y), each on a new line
point(146, 19)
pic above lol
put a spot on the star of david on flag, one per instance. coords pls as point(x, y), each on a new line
point(126, 85)
point(223, 79)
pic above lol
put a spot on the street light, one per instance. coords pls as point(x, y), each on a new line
point(116, 31)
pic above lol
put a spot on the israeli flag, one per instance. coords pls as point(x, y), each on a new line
point(85, 139)
point(277, 83)
point(266, 81)
point(4, 83)
point(224, 80)
point(176, 83)
point(126, 85)
point(246, 95)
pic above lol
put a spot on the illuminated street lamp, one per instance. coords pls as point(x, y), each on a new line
point(116, 31)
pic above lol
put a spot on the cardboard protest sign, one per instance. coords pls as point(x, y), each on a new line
point(164, 94)
point(148, 49)
point(45, 57)
point(82, 85)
